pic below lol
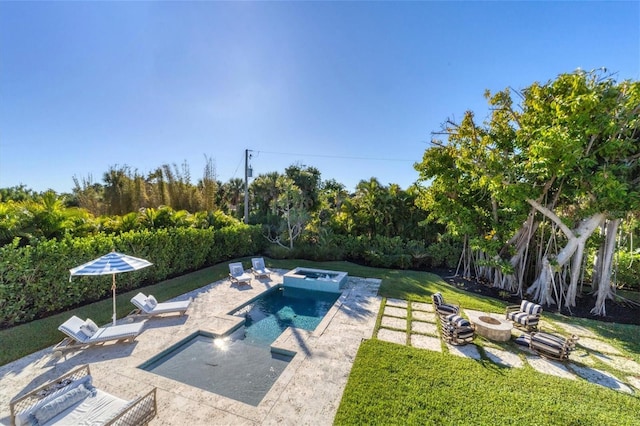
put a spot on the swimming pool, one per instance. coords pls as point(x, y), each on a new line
point(269, 315)
point(242, 366)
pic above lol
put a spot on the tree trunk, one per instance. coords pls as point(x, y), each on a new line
point(541, 287)
point(604, 285)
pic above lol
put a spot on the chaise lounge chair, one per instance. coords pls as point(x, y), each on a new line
point(71, 399)
point(237, 274)
point(259, 270)
point(149, 306)
point(83, 334)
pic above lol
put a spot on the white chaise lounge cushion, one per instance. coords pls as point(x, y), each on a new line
point(71, 328)
point(142, 302)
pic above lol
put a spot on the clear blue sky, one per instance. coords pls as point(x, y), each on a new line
point(352, 88)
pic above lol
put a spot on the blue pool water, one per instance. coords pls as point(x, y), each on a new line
point(267, 317)
point(242, 366)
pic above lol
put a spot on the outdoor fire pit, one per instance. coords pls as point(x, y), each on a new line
point(491, 327)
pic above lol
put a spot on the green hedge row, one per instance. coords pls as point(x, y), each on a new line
point(378, 251)
point(34, 280)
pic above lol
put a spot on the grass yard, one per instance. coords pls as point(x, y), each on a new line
point(396, 384)
point(399, 385)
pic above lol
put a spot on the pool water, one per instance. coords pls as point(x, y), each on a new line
point(242, 366)
point(271, 314)
point(227, 367)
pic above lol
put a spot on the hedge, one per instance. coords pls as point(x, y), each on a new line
point(34, 280)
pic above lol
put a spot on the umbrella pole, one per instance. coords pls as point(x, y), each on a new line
point(113, 289)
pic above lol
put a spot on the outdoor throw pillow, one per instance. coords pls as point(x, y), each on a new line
point(151, 302)
point(92, 325)
point(87, 330)
point(61, 403)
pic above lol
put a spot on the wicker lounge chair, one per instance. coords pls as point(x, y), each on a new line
point(149, 307)
point(72, 399)
point(237, 274)
point(82, 334)
point(258, 269)
point(526, 315)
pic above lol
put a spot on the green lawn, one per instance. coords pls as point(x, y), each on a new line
point(398, 385)
point(395, 384)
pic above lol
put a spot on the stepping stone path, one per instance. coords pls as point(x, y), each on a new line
point(416, 324)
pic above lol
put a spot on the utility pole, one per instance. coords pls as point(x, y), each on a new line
point(247, 175)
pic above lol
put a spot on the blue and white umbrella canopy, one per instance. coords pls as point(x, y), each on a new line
point(110, 264)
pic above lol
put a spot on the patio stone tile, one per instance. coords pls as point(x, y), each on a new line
point(421, 306)
point(424, 316)
point(466, 351)
point(601, 378)
point(399, 303)
point(620, 363)
point(634, 381)
point(505, 358)
point(424, 327)
point(392, 336)
point(550, 367)
point(597, 345)
point(426, 342)
point(577, 330)
point(393, 322)
point(395, 312)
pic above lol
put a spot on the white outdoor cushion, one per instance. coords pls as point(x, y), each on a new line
point(86, 329)
point(92, 325)
point(61, 403)
point(151, 302)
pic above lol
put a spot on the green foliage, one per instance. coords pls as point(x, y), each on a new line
point(34, 280)
point(628, 270)
point(445, 252)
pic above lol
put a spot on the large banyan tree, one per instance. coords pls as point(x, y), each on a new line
point(537, 192)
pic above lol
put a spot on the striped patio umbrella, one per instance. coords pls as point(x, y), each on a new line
point(110, 264)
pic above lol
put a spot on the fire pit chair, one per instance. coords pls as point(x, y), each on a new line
point(441, 307)
point(526, 315)
point(456, 330)
point(552, 346)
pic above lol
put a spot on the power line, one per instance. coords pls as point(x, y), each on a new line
point(337, 156)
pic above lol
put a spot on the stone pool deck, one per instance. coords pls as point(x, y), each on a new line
point(307, 392)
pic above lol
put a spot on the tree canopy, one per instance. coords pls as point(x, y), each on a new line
point(537, 178)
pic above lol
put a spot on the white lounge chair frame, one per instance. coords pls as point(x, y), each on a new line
point(237, 274)
point(138, 412)
point(140, 302)
point(258, 268)
point(77, 339)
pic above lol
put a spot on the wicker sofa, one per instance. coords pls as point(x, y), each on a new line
point(72, 399)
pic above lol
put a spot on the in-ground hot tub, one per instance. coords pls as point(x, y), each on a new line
point(315, 279)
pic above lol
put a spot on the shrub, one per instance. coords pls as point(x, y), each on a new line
point(34, 280)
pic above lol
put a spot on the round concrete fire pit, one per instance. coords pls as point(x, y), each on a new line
point(493, 328)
